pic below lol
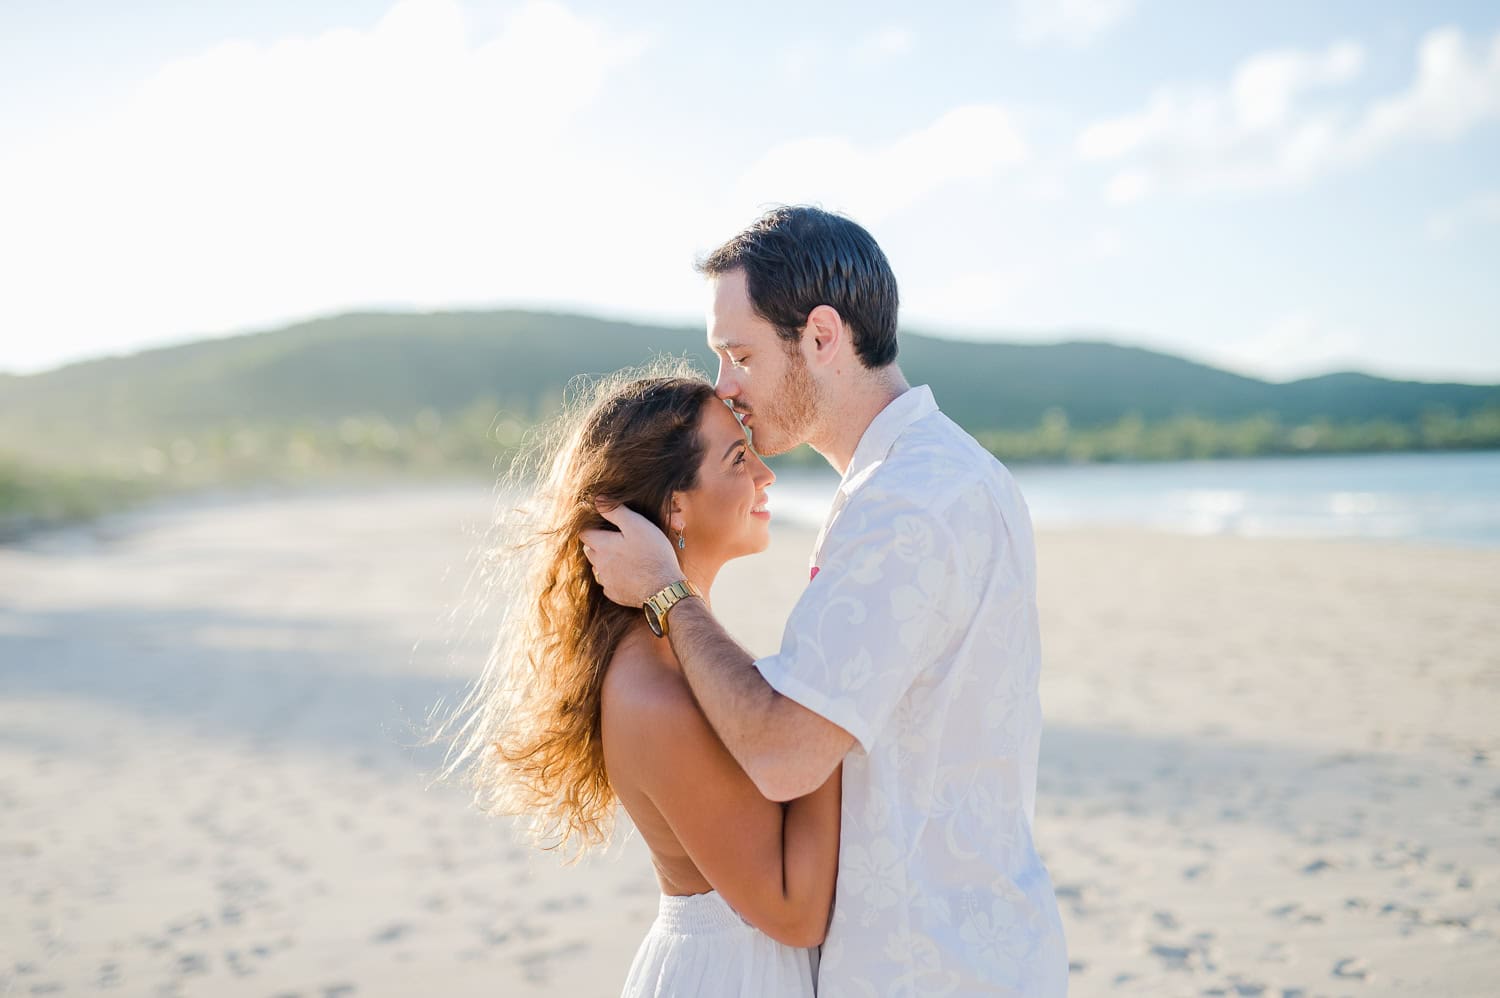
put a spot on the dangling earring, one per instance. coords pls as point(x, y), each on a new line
point(681, 539)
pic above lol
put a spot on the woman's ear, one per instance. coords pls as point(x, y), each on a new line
point(675, 518)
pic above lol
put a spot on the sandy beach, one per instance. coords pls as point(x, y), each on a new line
point(1270, 767)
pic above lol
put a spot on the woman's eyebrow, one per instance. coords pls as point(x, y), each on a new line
point(730, 450)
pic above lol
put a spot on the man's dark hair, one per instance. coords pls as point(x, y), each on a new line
point(797, 257)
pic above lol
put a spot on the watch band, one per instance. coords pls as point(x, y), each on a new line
point(658, 605)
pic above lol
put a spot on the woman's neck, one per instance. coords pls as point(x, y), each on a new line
point(700, 572)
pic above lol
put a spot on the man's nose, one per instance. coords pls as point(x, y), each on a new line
point(724, 385)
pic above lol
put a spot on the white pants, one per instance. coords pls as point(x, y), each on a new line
point(698, 946)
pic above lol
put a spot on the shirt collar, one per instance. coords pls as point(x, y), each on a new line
point(888, 424)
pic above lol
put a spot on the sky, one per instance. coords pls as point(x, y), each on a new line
point(1280, 188)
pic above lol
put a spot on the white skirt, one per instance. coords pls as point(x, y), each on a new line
point(699, 946)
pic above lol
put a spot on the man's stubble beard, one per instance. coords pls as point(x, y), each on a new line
point(794, 412)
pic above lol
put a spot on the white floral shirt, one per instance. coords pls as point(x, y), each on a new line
point(918, 635)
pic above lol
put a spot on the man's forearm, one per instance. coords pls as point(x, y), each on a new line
point(785, 749)
point(734, 696)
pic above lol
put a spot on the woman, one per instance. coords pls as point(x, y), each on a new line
point(582, 706)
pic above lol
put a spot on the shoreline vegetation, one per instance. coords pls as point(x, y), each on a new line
point(452, 394)
point(40, 491)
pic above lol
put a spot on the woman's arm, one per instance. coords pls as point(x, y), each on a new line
point(810, 854)
point(775, 864)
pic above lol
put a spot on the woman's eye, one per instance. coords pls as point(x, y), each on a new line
point(740, 457)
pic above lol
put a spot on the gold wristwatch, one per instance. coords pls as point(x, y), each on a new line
point(656, 607)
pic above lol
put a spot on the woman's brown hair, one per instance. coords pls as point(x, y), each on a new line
point(526, 738)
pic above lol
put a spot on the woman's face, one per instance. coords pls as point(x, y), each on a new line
point(725, 515)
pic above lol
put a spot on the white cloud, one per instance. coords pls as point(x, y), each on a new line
point(1482, 209)
point(883, 45)
point(418, 162)
point(1045, 188)
point(1457, 87)
point(1072, 22)
point(796, 59)
point(1265, 86)
point(415, 161)
point(1295, 345)
point(1106, 243)
point(977, 299)
point(1247, 134)
point(1128, 187)
point(871, 183)
point(1268, 128)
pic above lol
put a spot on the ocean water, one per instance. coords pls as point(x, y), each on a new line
point(1451, 498)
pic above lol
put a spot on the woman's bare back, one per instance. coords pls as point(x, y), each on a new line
point(708, 827)
point(644, 675)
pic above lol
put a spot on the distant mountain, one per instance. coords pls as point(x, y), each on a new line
point(395, 365)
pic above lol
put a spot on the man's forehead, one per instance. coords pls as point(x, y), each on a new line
point(732, 323)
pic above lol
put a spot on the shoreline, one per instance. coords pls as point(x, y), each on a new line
point(114, 522)
point(1346, 496)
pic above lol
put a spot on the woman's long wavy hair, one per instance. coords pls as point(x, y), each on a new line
point(526, 737)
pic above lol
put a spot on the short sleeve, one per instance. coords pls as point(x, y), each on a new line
point(891, 596)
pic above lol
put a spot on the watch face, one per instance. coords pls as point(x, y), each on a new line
point(653, 619)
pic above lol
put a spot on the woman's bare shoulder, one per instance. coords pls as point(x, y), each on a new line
point(642, 681)
point(647, 702)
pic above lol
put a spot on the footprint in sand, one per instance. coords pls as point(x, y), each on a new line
point(191, 964)
point(236, 964)
point(154, 943)
point(1072, 893)
point(1196, 953)
point(1402, 856)
point(109, 976)
point(392, 933)
point(295, 864)
point(1174, 957)
point(552, 905)
point(538, 964)
point(1351, 968)
point(1275, 951)
point(1294, 912)
point(494, 937)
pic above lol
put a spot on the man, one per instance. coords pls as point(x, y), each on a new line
point(913, 656)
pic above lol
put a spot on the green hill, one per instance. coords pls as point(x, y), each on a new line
point(396, 365)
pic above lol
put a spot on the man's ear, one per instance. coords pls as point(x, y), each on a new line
point(824, 335)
